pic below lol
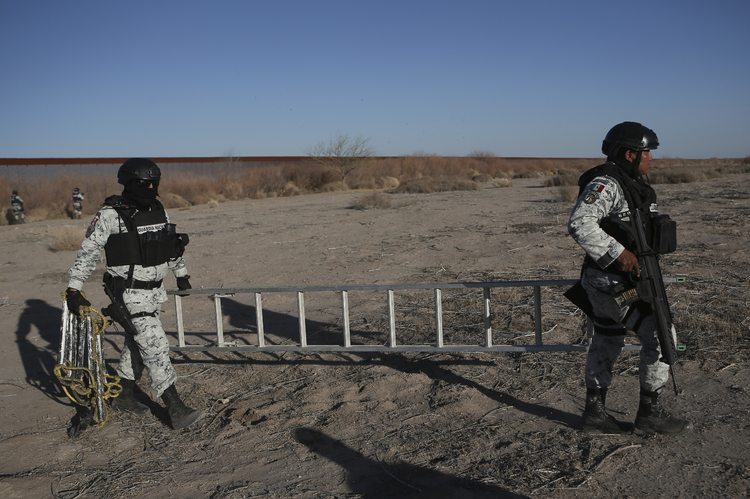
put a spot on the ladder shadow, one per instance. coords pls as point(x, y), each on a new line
point(242, 316)
point(372, 478)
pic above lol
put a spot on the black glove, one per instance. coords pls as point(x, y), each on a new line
point(76, 300)
point(183, 283)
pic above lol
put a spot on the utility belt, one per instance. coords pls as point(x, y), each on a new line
point(143, 284)
point(120, 284)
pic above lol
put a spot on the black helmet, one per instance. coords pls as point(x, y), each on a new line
point(629, 135)
point(138, 169)
point(15, 192)
point(76, 189)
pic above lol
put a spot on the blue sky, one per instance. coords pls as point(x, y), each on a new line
point(538, 78)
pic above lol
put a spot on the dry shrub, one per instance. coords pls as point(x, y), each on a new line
point(171, 200)
point(482, 177)
point(193, 188)
point(309, 176)
point(52, 211)
point(388, 182)
point(334, 187)
point(682, 175)
point(371, 201)
point(503, 182)
point(7, 217)
point(290, 190)
point(567, 193)
point(67, 238)
point(232, 190)
point(442, 184)
point(562, 179)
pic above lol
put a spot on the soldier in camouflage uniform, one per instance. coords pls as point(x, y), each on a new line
point(141, 247)
point(77, 203)
point(606, 268)
point(17, 204)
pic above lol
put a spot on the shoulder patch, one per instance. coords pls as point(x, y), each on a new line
point(591, 197)
point(92, 226)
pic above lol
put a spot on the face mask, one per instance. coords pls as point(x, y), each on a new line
point(139, 191)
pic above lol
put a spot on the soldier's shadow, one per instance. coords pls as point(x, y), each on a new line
point(38, 338)
point(286, 327)
point(370, 478)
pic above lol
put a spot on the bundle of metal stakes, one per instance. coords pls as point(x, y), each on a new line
point(81, 361)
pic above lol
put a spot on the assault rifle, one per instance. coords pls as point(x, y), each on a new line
point(117, 310)
point(649, 286)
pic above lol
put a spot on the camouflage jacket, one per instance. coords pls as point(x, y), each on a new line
point(603, 196)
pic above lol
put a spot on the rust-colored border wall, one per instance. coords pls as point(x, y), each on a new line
point(118, 161)
point(208, 159)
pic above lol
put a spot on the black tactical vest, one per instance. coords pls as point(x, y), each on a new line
point(149, 240)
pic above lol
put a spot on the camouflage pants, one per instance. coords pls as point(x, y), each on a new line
point(150, 347)
point(605, 348)
point(18, 211)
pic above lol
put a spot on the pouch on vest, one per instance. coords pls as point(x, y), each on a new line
point(663, 234)
point(123, 249)
point(156, 245)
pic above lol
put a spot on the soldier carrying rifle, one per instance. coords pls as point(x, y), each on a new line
point(616, 222)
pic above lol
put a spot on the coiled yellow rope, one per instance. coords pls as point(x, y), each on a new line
point(79, 383)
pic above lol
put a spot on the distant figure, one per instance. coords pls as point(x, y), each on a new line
point(77, 205)
point(17, 203)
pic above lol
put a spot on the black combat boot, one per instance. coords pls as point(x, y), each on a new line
point(180, 415)
point(595, 417)
point(653, 418)
point(126, 402)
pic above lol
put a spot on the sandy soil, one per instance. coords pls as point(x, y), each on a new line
point(384, 425)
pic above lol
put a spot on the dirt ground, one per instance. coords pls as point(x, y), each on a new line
point(387, 425)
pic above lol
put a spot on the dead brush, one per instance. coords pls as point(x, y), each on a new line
point(502, 183)
point(443, 184)
point(67, 238)
point(376, 200)
point(567, 193)
point(682, 175)
point(565, 178)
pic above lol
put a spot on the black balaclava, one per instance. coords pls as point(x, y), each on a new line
point(142, 196)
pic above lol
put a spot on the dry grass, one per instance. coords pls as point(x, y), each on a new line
point(376, 200)
point(49, 197)
point(683, 175)
point(566, 178)
point(67, 238)
point(567, 193)
point(440, 184)
point(503, 182)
